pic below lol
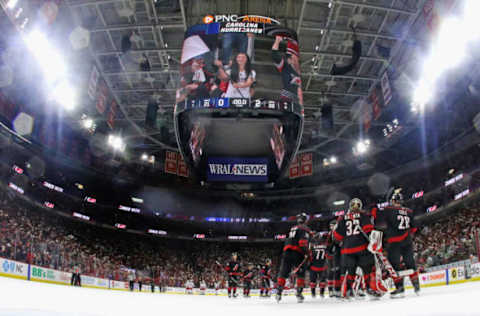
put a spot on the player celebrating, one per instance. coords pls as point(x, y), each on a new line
point(203, 287)
point(350, 230)
point(234, 273)
point(247, 280)
point(318, 266)
point(189, 286)
point(217, 285)
point(400, 225)
point(295, 256)
point(265, 278)
point(334, 260)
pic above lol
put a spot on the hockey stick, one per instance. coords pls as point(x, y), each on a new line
point(295, 271)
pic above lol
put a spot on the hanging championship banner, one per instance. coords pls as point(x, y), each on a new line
point(387, 92)
point(112, 113)
point(182, 169)
point(102, 97)
point(92, 83)
point(367, 116)
point(174, 164)
point(301, 166)
point(376, 109)
point(306, 164)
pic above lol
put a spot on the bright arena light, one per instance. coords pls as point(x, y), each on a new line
point(450, 48)
point(144, 156)
point(448, 51)
point(116, 142)
point(361, 147)
point(11, 4)
point(88, 123)
point(333, 159)
point(52, 64)
point(470, 18)
point(422, 96)
point(65, 95)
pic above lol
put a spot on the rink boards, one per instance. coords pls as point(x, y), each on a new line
point(20, 270)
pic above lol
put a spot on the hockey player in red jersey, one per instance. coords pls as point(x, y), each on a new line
point(265, 278)
point(295, 256)
point(334, 262)
point(247, 280)
point(234, 273)
point(352, 230)
point(318, 265)
point(398, 223)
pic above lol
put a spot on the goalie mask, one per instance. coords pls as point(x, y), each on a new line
point(355, 205)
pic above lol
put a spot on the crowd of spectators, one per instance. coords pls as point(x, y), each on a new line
point(450, 239)
point(46, 239)
point(52, 241)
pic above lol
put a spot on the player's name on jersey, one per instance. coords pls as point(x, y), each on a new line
point(246, 103)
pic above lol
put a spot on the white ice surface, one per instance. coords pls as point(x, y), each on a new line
point(18, 297)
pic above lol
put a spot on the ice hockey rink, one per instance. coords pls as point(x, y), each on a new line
point(18, 297)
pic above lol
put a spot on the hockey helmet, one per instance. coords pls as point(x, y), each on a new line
point(268, 261)
point(301, 218)
point(332, 224)
point(396, 198)
point(355, 204)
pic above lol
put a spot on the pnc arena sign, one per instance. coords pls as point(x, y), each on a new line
point(237, 169)
point(235, 18)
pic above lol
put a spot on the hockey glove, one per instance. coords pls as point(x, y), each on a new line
point(375, 244)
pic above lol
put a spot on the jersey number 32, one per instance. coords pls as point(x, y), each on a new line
point(353, 227)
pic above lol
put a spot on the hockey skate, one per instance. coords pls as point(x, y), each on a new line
point(374, 295)
point(398, 293)
point(416, 287)
point(360, 294)
point(347, 295)
point(300, 297)
point(278, 297)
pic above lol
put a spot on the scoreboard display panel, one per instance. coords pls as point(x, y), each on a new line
point(237, 120)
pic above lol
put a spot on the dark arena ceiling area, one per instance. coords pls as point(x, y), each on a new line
point(408, 105)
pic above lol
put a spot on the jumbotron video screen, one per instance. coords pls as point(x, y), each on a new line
point(229, 126)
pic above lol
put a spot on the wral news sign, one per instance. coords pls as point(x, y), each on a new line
point(237, 169)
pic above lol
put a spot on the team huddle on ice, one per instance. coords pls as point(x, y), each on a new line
point(349, 259)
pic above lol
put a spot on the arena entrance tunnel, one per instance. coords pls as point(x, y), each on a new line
point(226, 131)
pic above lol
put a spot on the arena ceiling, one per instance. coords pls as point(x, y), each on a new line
point(325, 35)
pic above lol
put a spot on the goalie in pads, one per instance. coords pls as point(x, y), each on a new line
point(352, 230)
